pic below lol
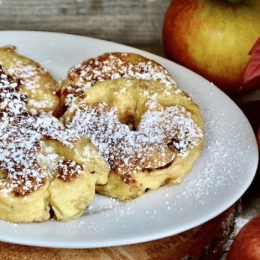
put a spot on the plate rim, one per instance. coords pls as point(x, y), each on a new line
point(82, 244)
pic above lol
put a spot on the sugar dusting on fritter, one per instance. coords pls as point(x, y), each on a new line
point(30, 77)
point(169, 132)
point(127, 150)
point(20, 136)
point(113, 66)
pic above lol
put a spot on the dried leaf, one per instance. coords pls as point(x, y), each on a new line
point(256, 47)
point(251, 78)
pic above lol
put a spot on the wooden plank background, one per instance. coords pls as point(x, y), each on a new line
point(132, 22)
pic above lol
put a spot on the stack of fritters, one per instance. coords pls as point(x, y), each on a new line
point(45, 168)
point(125, 129)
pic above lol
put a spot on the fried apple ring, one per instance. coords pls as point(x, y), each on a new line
point(149, 134)
point(35, 82)
point(109, 66)
point(44, 167)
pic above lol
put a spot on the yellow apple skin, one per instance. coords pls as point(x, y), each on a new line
point(213, 38)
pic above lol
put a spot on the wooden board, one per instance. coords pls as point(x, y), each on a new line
point(129, 22)
point(204, 242)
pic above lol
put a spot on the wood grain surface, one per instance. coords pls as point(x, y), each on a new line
point(203, 242)
point(129, 22)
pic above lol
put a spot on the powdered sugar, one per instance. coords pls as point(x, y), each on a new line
point(28, 75)
point(161, 135)
point(20, 140)
point(113, 66)
point(31, 78)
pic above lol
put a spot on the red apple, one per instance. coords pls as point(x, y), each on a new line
point(246, 245)
point(213, 38)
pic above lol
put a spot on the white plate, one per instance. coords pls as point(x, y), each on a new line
point(218, 179)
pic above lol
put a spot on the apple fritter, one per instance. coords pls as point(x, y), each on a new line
point(44, 166)
point(149, 134)
point(36, 83)
point(109, 66)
